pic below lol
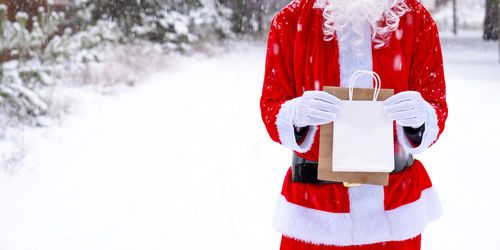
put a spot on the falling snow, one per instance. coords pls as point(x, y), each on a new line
point(398, 62)
point(182, 160)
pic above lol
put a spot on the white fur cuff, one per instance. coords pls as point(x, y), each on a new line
point(286, 130)
point(430, 134)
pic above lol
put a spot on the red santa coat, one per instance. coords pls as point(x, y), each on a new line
point(299, 59)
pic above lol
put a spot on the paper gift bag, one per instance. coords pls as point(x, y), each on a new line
point(359, 146)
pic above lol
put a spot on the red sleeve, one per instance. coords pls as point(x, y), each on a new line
point(427, 74)
point(279, 85)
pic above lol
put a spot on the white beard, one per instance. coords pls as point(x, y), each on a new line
point(354, 15)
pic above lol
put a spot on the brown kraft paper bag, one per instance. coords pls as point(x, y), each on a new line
point(325, 172)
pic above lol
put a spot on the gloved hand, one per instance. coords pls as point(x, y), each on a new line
point(407, 108)
point(315, 108)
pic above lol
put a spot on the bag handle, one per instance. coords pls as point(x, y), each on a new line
point(358, 74)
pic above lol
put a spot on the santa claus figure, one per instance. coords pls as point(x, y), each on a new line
point(316, 43)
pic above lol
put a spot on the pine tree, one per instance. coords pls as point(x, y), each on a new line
point(247, 15)
point(26, 71)
point(125, 13)
point(182, 6)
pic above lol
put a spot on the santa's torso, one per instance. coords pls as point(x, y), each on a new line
point(318, 63)
point(331, 213)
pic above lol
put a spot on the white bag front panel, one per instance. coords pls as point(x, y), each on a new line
point(363, 138)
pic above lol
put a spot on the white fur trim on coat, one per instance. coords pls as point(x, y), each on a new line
point(430, 134)
point(286, 130)
point(367, 223)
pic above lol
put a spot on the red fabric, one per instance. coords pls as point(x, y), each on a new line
point(298, 59)
point(410, 244)
point(404, 187)
point(326, 197)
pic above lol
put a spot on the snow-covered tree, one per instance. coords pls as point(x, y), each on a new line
point(176, 24)
point(491, 20)
point(19, 76)
point(252, 16)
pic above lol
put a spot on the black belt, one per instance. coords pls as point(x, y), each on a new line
point(306, 171)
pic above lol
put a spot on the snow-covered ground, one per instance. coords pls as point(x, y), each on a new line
point(463, 164)
point(183, 161)
point(180, 162)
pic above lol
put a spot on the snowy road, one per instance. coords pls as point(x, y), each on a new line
point(183, 162)
point(180, 162)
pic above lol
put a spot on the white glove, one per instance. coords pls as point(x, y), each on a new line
point(407, 108)
point(315, 108)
